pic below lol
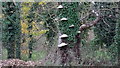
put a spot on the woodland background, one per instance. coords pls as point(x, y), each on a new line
point(32, 31)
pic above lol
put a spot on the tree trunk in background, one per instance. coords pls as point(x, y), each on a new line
point(51, 34)
point(18, 32)
point(11, 29)
point(0, 31)
point(118, 39)
point(77, 47)
point(30, 18)
point(118, 34)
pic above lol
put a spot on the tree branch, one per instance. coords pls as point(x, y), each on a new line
point(90, 24)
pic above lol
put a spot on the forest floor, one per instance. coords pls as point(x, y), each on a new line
point(52, 60)
point(43, 56)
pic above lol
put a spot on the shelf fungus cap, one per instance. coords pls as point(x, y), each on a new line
point(71, 26)
point(78, 32)
point(64, 19)
point(62, 44)
point(64, 36)
point(60, 7)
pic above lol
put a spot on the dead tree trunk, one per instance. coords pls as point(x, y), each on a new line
point(77, 47)
point(78, 37)
point(64, 55)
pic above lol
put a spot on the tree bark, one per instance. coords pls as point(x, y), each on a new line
point(78, 37)
point(18, 33)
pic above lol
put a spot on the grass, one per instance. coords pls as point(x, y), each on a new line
point(4, 54)
point(37, 55)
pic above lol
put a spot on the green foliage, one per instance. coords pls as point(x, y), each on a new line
point(35, 55)
point(4, 54)
point(100, 54)
point(117, 38)
point(52, 28)
point(38, 55)
point(105, 29)
point(50, 24)
point(113, 52)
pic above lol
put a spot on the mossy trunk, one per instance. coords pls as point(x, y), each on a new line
point(70, 12)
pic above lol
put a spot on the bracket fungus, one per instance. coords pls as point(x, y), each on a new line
point(62, 45)
point(60, 7)
point(71, 26)
point(64, 19)
point(78, 32)
point(64, 36)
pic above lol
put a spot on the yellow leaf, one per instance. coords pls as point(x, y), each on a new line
point(40, 3)
point(24, 26)
point(25, 31)
point(26, 9)
point(39, 32)
point(43, 31)
point(0, 15)
point(33, 23)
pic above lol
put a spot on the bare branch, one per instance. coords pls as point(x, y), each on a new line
point(90, 24)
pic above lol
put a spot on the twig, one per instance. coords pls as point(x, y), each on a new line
point(106, 23)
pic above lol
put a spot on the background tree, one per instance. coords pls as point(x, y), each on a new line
point(12, 29)
point(117, 36)
point(86, 33)
point(32, 26)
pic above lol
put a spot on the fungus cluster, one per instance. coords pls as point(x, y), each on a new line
point(71, 26)
point(60, 7)
point(62, 45)
point(63, 36)
point(78, 32)
point(64, 19)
